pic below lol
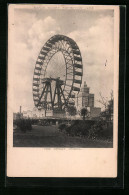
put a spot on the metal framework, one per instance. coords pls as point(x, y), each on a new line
point(73, 76)
point(59, 101)
point(46, 93)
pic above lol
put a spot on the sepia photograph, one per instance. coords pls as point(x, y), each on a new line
point(63, 77)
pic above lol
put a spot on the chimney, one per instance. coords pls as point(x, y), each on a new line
point(85, 85)
point(20, 109)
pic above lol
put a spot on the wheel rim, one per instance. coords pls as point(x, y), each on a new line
point(73, 63)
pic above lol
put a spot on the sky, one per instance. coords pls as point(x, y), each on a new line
point(93, 31)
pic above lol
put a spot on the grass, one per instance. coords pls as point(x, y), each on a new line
point(50, 136)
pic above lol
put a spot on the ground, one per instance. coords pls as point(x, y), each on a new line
point(50, 136)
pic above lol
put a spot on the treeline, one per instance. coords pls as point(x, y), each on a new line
point(23, 124)
point(89, 129)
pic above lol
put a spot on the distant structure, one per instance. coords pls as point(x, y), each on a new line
point(87, 98)
point(18, 115)
point(20, 109)
point(87, 101)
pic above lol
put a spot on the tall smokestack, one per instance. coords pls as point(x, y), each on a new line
point(85, 85)
point(20, 109)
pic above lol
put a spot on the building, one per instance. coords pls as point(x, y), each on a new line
point(86, 99)
point(38, 113)
point(27, 114)
point(91, 100)
point(85, 95)
point(17, 116)
point(35, 113)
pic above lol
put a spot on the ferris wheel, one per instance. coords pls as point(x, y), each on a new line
point(58, 73)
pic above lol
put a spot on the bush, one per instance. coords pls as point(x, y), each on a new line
point(100, 130)
point(79, 128)
point(23, 124)
point(91, 129)
point(62, 126)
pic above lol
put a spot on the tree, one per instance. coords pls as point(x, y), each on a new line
point(72, 110)
point(110, 107)
point(108, 112)
point(84, 113)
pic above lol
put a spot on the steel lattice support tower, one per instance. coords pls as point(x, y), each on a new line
point(47, 91)
point(59, 96)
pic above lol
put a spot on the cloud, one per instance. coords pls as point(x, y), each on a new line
point(97, 41)
point(28, 43)
point(97, 45)
point(41, 30)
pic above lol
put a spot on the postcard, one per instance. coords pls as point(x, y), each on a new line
point(62, 94)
